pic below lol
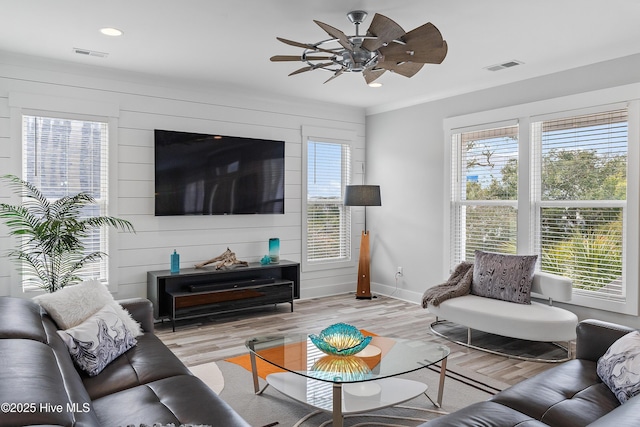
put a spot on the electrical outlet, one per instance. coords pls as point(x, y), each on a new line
point(399, 271)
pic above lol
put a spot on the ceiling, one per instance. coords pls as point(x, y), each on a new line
point(216, 42)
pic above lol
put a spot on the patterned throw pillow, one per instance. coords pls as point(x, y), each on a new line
point(503, 277)
point(619, 368)
point(97, 341)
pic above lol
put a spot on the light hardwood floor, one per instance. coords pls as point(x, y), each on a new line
point(216, 338)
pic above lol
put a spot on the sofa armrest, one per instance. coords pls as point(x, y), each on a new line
point(594, 337)
point(141, 309)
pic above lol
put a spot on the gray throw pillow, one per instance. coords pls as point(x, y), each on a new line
point(503, 277)
point(619, 367)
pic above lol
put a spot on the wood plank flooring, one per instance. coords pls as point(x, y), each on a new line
point(216, 338)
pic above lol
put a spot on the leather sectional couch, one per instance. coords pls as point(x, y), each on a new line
point(147, 385)
point(568, 395)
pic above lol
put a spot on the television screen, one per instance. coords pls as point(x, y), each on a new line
point(200, 174)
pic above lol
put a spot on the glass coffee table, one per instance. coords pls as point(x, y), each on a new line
point(346, 385)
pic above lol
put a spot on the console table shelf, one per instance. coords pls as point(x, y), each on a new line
point(206, 291)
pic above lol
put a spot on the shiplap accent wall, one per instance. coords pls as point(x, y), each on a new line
point(139, 105)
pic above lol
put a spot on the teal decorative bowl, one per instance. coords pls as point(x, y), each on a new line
point(340, 339)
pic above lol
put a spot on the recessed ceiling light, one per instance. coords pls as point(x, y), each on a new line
point(109, 31)
point(375, 84)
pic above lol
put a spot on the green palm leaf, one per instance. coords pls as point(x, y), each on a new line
point(50, 249)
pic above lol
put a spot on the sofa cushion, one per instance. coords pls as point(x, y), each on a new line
point(567, 395)
point(29, 375)
point(619, 367)
point(30, 324)
point(94, 343)
point(486, 414)
point(183, 399)
point(72, 305)
point(148, 361)
point(503, 277)
point(623, 416)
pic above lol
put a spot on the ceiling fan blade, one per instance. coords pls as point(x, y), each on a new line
point(279, 58)
point(423, 44)
point(303, 45)
point(336, 74)
point(310, 68)
point(407, 69)
point(371, 75)
point(336, 34)
point(384, 29)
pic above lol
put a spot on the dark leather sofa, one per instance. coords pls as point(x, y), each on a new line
point(147, 385)
point(568, 395)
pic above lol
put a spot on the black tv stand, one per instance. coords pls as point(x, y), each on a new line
point(206, 291)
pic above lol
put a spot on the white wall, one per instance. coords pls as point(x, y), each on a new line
point(405, 156)
point(141, 104)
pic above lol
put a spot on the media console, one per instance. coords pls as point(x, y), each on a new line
point(198, 292)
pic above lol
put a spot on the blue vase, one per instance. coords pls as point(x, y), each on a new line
point(274, 250)
point(175, 262)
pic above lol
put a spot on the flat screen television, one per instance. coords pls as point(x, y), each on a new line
point(201, 174)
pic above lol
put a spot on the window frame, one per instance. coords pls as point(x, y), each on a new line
point(572, 105)
point(331, 136)
point(23, 104)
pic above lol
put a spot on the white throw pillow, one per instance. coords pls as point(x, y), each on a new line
point(73, 304)
point(97, 341)
point(619, 367)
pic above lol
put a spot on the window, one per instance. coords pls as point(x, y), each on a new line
point(484, 192)
point(561, 185)
point(580, 187)
point(328, 237)
point(62, 157)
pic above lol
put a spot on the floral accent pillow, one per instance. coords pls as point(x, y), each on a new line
point(619, 367)
point(97, 341)
point(503, 277)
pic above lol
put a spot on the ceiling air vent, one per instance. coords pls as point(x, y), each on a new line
point(87, 52)
point(504, 65)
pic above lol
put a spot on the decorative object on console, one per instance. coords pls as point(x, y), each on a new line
point(175, 262)
point(503, 277)
point(224, 260)
point(385, 46)
point(340, 339)
point(363, 195)
point(619, 367)
point(274, 250)
point(52, 234)
point(266, 260)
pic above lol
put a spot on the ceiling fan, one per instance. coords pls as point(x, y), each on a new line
point(385, 47)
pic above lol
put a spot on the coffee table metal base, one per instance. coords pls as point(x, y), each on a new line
point(349, 398)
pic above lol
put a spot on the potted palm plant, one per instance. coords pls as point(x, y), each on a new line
point(51, 234)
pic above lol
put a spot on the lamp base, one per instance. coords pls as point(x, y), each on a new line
point(364, 282)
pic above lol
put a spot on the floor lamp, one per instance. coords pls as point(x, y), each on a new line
point(363, 195)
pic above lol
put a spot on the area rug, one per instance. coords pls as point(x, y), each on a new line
point(274, 407)
point(210, 374)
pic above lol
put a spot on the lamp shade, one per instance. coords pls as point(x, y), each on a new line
point(362, 195)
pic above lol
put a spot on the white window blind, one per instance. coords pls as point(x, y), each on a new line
point(580, 188)
point(484, 193)
point(64, 157)
point(328, 220)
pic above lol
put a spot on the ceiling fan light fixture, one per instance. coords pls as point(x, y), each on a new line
point(375, 84)
point(384, 47)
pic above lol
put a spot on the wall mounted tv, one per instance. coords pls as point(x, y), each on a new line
point(200, 174)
